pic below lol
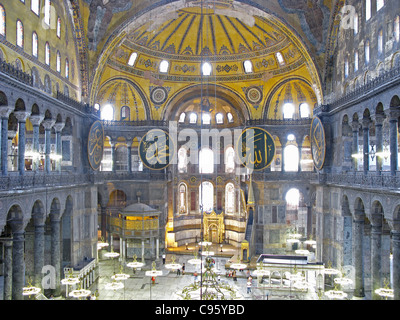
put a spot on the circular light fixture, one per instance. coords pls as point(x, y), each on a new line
point(70, 281)
point(111, 254)
point(81, 293)
point(154, 272)
point(336, 294)
point(384, 292)
point(302, 252)
point(343, 281)
point(115, 285)
point(28, 291)
point(120, 276)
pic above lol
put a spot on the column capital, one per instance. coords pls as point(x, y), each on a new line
point(58, 126)
point(36, 119)
point(48, 123)
point(394, 115)
point(366, 123)
point(379, 118)
point(355, 125)
point(5, 111)
point(22, 115)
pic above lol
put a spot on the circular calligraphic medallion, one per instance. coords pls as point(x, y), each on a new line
point(156, 149)
point(254, 95)
point(318, 143)
point(159, 95)
point(255, 148)
point(95, 144)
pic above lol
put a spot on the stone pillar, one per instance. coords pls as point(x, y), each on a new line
point(365, 127)
point(38, 252)
point(4, 114)
point(58, 126)
point(379, 142)
point(358, 233)
point(55, 251)
point(130, 157)
point(47, 124)
point(21, 116)
point(112, 143)
point(8, 248)
point(299, 163)
point(10, 151)
point(393, 142)
point(395, 236)
point(376, 258)
point(143, 251)
point(35, 120)
point(157, 248)
point(18, 264)
point(355, 126)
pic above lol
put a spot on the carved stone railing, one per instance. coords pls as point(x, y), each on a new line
point(279, 122)
point(359, 179)
point(102, 176)
point(138, 123)
point(15, 73)
point(76, 104)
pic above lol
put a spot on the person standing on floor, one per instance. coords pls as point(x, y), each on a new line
point(163, 258)
point(248, 286)
point(183, 269)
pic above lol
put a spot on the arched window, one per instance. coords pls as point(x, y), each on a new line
point(248, 66)
point(182, 117)
point(125, 113)
point(355, 23)
point(206, 118)
point(2, 21)
point(356, 61)
point(107, 113)
point(366, 51)
point(58, 31)
point(380, 41)
point(35, 6)
point(193, 118)
point(182, 160)
point(219, 118)
point(34, 44)
point(206, 160)
point(206, 69)
point(47, 10)
point(397, 28)
point(164, 66)
point(304, 110)
point(47, 54)
point(66, 68)
point(280, 59)
point(230, 117)
point(132, 59)
point(291, 156)
point(58, 62)
point(379, 4)
point(206, 193)
point(288, 111)
point(229, 160)
point(229, 198)
point(293, 198)
point(20, 34)
point(346, 67)
point(182, 198)
point(367, 10)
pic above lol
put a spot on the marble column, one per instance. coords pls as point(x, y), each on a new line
point(365, 128)
point(379, 142)
point(4, 114)
point(47, 124)
point(299, 163)
point(8, 261)
point(358, 233)
point(58, 126)
point(35, 120)
point(376, 258)
point(143, 251)
point(55, 251)
point(393, 142)
point(38, 252)
point(129, 157)
point(18, 264)
point(113, 163)
point(395, 236)
point(21, 117)
point(355, 126)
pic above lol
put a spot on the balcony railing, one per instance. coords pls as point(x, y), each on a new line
point(370, 180)
point(15, 73)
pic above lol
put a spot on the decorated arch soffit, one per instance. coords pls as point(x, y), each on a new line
point(231, 33)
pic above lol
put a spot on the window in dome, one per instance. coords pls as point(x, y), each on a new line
point(291, 137)
point(47, 54)
point(164, 66)
point(97, 106)
point(248, 66)
point(182, 160)
point(58, 32)
point(291, 156)
point(206, 69)
point(2, 21)
point(219, 118)
point(229, 160)
point(230, 117)
point(20, 34)
point(193, 118)
point(288, 110)
point(125, 113)
point(35, 6)
point(280, 59)
point(366, 52)
point(356, 61)
point(304, 110)
point(206, 160)
point(229, 198)
point(206, 118)
point(397, 28)
point(107, 113)
point(367, 10)
point(58, 62)
point(206, 193)
point(132, 59)
point(47, 10)
point(182, 198)
point(380, 41)
point(66, 68)
point(34, 44)
point(379, 4)
point(182, 117)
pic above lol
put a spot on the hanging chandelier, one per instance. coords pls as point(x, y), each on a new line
point(173, 265)
point(135, 264)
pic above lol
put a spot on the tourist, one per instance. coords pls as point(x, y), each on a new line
point(183, 269)
point(248, 287)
